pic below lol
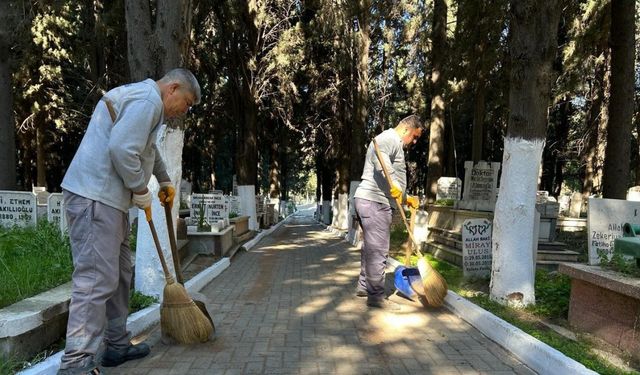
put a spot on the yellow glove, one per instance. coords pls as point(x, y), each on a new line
point(413, 201)
point(396, 190)
point(167, 193)
point(147, 212)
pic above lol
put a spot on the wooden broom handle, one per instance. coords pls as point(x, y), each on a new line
point(398, 201)
point(412, 226)
point(167, 275)
point(172, 240)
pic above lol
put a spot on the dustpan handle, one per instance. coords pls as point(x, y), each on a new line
point(398, 201)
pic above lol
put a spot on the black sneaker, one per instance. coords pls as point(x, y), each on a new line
point(383, 303)
point(361, 292)
point(112, 358)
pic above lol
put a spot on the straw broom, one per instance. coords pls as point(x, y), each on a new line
point(180, 318)
point(176, 261)
point(434, 285)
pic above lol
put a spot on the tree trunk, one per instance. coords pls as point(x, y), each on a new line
point(436, 128)
point(7, 127)
point(247, 146)
point(477, 143)
point(596, 121)
point(532, 47)
point(141, 43)
point(360, 110)
point(562, 135)
point(274, 169)
point(615, 179)
point(637, 167)
point(41, 165)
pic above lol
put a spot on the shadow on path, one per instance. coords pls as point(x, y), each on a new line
point(288, 307)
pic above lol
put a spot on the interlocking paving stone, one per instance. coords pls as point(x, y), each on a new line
point(288, 307)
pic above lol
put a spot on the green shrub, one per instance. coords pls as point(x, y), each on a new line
point(139, 301)
point(444, 202)
point(619, 263)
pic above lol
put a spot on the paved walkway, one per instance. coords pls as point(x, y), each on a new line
point(288, 307)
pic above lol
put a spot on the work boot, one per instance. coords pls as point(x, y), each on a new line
point(361, 292)
point(112, 358)
point(383, 303)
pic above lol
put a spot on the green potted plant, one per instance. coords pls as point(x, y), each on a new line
point(203, 225)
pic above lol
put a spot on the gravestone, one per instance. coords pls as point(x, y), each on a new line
point(234, 186)
point(605, 219)
point(634, 193)
point(575, 208)
point(476, 247)
point(548, 208)
point(185, 193)
point(55, 211)
point(564, 202)
point(480, 186)
point(18, 208)
point(41, 200)
point(449, 188)
point(234, 204)
point(215, 208)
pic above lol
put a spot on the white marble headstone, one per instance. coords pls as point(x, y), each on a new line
point(449, 188)
point(605, 219)
point(55, 211)
point(18, 208)
point(234, 204)
point(480, 186)
point(476, 247)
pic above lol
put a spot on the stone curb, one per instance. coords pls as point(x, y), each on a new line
point(139, 321)
point(26, 315)
point(532, 352)
point(254, 241)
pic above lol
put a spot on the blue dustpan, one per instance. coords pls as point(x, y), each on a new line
point(403, 278)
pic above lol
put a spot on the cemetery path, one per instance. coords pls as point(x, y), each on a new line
point(288, 307)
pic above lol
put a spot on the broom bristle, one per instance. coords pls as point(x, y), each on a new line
point(181, 319)
point(435, 286)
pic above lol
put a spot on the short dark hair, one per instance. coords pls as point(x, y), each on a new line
point(413, 122)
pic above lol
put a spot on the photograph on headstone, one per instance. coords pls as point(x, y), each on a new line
point(476, 248)
point(18, 208)
point(605, 219)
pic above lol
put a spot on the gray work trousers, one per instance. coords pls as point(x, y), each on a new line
point(375, 219)
point(101, 279)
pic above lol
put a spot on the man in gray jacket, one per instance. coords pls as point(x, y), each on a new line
point(374, 200)
point(109, 173)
